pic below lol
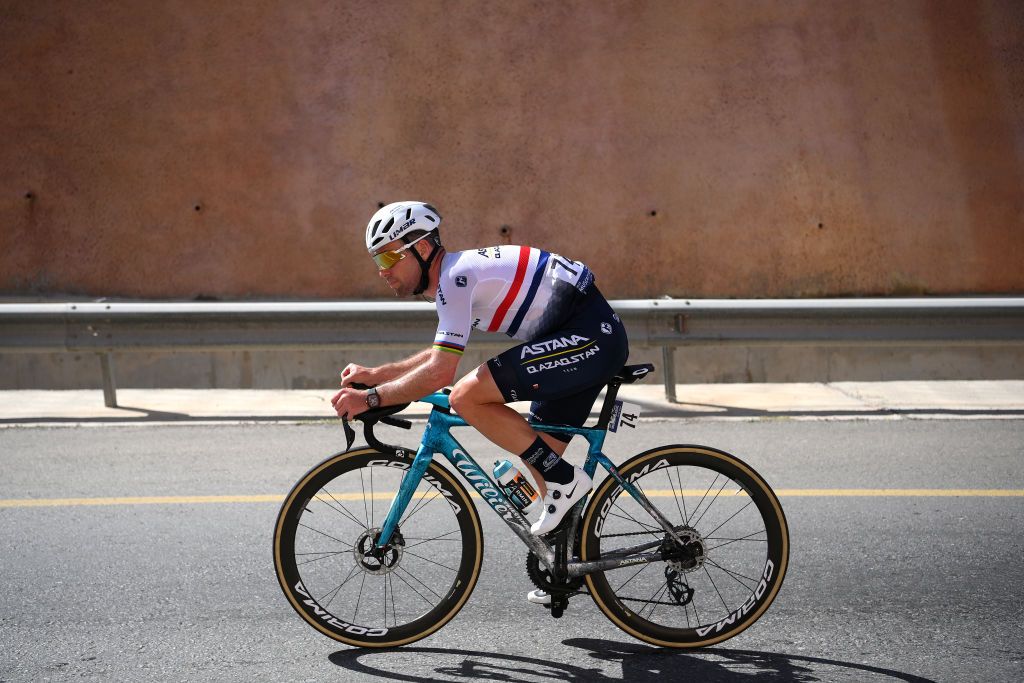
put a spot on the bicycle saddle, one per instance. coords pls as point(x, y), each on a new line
point(632, 373)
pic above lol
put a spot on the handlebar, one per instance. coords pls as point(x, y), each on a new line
point(397, 422)
point(371, 417)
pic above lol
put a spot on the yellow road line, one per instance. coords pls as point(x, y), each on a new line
point(181, 500)
point(858, 493)
point(947, 493)
point(388, 495)
point(134, 500)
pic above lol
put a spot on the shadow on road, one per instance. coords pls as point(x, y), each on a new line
point(639, 664)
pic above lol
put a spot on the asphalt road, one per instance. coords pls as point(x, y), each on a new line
point(888, 587)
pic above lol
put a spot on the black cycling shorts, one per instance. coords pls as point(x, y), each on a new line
point(563, 371)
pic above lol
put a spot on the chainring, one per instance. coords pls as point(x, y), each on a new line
point(543, 580)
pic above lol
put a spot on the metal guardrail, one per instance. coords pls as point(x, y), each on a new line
point(106, 327)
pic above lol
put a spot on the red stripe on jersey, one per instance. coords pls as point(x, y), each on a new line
point(513, 292)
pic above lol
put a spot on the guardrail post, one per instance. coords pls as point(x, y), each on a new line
point(668, 364)
point(109, 388)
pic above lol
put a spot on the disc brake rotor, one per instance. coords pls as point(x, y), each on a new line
point(374, 560)
point(687, 558)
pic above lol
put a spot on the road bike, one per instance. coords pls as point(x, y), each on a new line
point(680, 546)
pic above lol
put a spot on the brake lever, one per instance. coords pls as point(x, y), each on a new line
point(350, 434)
point(371, 439)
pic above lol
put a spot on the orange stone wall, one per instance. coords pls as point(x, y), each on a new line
point(184, 149)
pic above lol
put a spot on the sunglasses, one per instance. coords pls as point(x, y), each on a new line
point(387, 259)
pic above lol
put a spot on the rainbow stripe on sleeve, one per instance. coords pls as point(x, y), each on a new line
point(449, 347)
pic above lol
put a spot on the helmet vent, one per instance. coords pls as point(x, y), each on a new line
point(388, 225)
point(375, 226)
point(377, 241)
point(408, 213)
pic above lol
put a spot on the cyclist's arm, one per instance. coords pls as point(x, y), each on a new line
point(436, 370)
point(390, 371)
point(358, 374)
point(433, 368)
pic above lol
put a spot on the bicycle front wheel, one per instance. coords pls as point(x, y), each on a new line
point(723, 576)
point(335, 578)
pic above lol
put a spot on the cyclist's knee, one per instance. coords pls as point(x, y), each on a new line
point(476, 388)
point(459, 396)
point(463, 396)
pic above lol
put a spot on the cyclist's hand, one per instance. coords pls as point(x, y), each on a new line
point(349, 402)
point(358, 374)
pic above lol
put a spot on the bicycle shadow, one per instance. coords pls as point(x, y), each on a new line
point(640, 664)
point(647, 663)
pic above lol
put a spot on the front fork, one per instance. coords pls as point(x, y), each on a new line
point(410, 481)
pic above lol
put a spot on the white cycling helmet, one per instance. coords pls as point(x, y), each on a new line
point(397, 220)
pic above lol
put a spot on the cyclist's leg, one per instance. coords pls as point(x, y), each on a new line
point(573, 361)
point(560, 483)
point(477, 398)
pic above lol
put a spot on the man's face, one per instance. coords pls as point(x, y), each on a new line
point(404, 275)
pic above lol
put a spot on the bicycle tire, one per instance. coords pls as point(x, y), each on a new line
point(328, 520)
point(750, 568)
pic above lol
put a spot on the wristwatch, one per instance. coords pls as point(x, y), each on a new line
point(372, 398)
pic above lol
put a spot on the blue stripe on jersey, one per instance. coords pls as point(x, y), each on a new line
point(538, 275)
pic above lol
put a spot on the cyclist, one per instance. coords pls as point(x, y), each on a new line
point(573, 343)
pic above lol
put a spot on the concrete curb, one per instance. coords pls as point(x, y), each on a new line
point(836, 400)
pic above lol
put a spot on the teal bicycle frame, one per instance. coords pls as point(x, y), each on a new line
point(438, 439)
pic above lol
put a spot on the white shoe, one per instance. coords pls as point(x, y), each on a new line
point(559, 499)
point(539, 597)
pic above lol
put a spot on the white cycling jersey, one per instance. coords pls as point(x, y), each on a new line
point(521, 291)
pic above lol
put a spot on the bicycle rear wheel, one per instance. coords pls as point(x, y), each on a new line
point(725, 575)
point(326, 562)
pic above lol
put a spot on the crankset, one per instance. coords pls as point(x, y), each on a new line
point(542, 578)
point(560, 591)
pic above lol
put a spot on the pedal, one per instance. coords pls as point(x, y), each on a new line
point(558, 606)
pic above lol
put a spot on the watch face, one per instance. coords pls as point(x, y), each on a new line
point(372, 399)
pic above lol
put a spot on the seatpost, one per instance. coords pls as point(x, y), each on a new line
point(609, 403)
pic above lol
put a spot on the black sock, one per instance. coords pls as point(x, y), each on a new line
point(550, 464)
